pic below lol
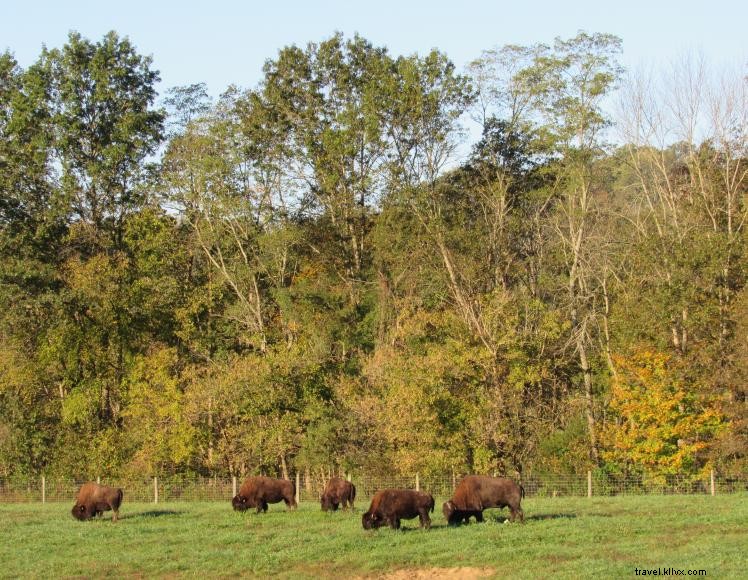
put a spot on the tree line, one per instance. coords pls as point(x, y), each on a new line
point(307, 274)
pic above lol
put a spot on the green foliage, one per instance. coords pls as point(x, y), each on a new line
point(565, 450)
point(102, 94)
point(306, 278)
point(155, 410)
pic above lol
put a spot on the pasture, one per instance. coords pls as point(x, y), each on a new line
point(565, 537)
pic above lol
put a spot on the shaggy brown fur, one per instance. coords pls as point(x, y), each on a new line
point(258, 492)
point(94, 499)
point(337, 492)
point(477, 492)
point(389, 506)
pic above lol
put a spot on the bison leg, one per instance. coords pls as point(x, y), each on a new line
point(115, 515)
point(516, 512)
point(425, 519)
point(479, 517)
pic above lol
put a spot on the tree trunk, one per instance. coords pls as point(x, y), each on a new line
point(589, 407)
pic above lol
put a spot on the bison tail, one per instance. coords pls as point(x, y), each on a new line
point(353, 492)
point(120, 495)
point(432, 504)
point(522, 491)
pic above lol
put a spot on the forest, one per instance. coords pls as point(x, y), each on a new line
point(325, 270)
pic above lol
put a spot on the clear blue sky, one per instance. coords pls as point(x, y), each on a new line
point(221, 42)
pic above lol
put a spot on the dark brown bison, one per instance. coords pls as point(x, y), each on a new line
point(94, 499)
point(477, 492)
point(258, 492)
point(337, 492)
point(389, 506)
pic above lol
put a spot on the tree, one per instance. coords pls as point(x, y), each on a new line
point(33, 224)
point(686, 144)
point(102, 96)
point(184, 105)
point(327, 99)
point(659, 426)
point(687, 136)
point(568, 84)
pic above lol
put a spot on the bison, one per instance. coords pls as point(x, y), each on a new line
point(389, 506)
point(258, 492)
point(94, 499)
point(476, 493)
point(337, 492)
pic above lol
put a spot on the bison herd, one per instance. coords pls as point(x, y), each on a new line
point(474, 494)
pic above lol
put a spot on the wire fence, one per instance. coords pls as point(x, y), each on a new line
point(309, 488)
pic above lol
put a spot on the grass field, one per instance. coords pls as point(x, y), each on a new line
point(563, 537)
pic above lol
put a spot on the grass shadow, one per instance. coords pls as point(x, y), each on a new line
point(493, 518)
point(504, 519)
point(541, 517)
point(152, 514)
point(404, 528)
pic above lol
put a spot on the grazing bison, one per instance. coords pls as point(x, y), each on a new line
point(337, 492)
point(389, 506)
point(258, 492)
point(477, 492)
point(94, 499)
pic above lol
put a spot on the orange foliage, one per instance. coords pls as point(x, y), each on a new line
point(659, 424)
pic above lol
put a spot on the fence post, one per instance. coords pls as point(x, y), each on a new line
point(589, 483)
point(348, 476)
point(297, 494)
point(98, 479)
point(233, 486)
point(44, 489)
point(155, 490)
point(418, 483)
point(711, 481)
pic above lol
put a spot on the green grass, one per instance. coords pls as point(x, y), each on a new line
point(566, 537)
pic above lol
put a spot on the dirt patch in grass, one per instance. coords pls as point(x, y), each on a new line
point(463, 573)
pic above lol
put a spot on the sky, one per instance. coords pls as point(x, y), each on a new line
point(223, 42)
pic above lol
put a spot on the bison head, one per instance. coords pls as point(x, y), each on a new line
point(371, 520)
point(82, 512)
point(327, 503)
point(240, 503)
point(450, 512)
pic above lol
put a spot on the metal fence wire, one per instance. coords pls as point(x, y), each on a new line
point(309, 488)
